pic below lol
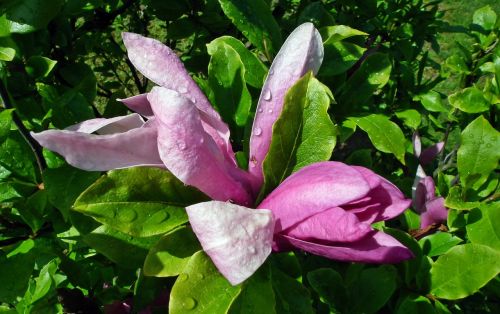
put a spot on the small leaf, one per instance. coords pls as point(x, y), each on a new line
point(485, 17)
point(7, 53)
point(470, 100)
point(432, 101)
point(339, 32)
point(255, 70)
point(478, 154)
point(415, 304)
point(302, 135)
point(463, 270)
point(39, 67)
point(139, 201)
point(200, 288)
point(455, 200)
point(255, 21)
point(330, 287)
point(410, 117)
point(385, 135)
point(438, 243)
point(171, 254)
point(5, 123)
point(339, 57)
point(483, 225)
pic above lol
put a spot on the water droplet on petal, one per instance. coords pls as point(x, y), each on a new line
point(260, 110)
point(183, 277)
point(202, 140)
point(270, 111)
point(267, 95)
point(127, 215)
point(181, 144)
point(257, 131)
point(189, 303)
point(193, 100)
point(252, 250)
point(183, 89)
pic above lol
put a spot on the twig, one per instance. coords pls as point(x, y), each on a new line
point(35, 147)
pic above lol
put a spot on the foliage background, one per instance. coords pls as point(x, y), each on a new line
point(426, 66)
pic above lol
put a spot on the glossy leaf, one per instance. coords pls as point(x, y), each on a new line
point(226, 75)
point(483, 225)
point(29, 15)
point(139, 201)
point(339, 57)
point(5, 123)
point(410, 117)
point(171, 254)
point(302, 135)
point(463, 270)
point(432, 101)
point(384, 134)
point(470, 100)
point(438, 243)
point(17, 157)
point(39, 67)
point(478, 154)
point(255, 70)
point(255, 21)
point(200, 288)
point(339, 32)
point(7, 53)
point(485, 17)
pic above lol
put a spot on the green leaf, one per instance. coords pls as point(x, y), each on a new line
point(139, 201)
point(200, 288)
point(483, 225)
point(338, 33)
point(384, 134)
point(302, 135)
point(27, 16)
point(478, 154)
point(122, 249)
point(415, 304)
point(256, 294)
point(432, 101)
point(455, 200)
point(15, 272)
point(485, 17)
point(330, 287)
point(45, 281)
point(17, 157)
point(7, 53)
point(5, 123)
point(39, 67)
point(438, 243)
point(291, 295)
point(226, 76)
point(410, 117)
point(255, 70)
point(65, 184)
point(339, 57)
point(255, 21)
point(171, 254)
point(374, 286)
point(456, 64)
point(463, 270)
point(372, 75)
point(470, 100)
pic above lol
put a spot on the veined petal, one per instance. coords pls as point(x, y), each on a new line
point(108, 126)
point(435, 212)
point(237, 239)
point(301, 53)
point(376, 248)
point(312, 190)
point(162, 66)
point(136, 147)
point(138, 103)
point(190, 153)
point(334, 224)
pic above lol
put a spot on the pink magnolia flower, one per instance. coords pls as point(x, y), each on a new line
point(325, 208)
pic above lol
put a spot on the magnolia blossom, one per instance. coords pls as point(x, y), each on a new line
point(425, 201)
point(326, 208)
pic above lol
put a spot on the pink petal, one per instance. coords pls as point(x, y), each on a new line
point(313, 189)
point(301, 53)
point(137, 147)
point(138, 103)
point(334, 224)
point(108, 126)
point(425, 190)
point(430, 153)
point(417, 144)
point(237, 239)
point(190, 153)
point(161, 65)
point(376, 248)
point(435, 212)
point(385, 201)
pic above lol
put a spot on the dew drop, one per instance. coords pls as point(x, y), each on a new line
point(252, 250)
point(200, 276)
point(183, 277)
point(202, 140)
point(271, 72)
point(183, 89)
point(193, 100)
point(189, 303)
point(181, 144)
point(257, 131)
point(270, 111)
point(267, 95)
point(159, 217)
point(260, 110)
point(127, 215)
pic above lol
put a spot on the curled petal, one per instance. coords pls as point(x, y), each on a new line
point(312, 190)
point(430, 153)
point(136, 147)
point(377, 247)
point(190, 153)
point(138, 103)
point(237, 239)
point(334, 224)
point(435, 212)
point(108, 126)
point(301, 53)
